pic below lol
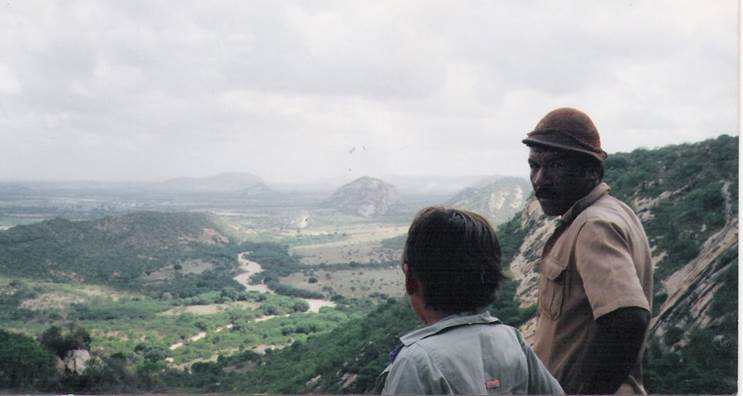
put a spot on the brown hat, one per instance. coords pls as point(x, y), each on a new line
point(567, 129)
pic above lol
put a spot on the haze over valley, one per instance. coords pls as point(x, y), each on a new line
point(212, 197)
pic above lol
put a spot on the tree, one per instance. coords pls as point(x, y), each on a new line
point(59, 342)
point(24, 363)
point(301, 306)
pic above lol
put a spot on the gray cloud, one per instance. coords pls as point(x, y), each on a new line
point(153, 89)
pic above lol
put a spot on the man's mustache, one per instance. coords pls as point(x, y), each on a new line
point(546, 192)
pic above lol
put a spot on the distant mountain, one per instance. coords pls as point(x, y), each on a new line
point(365, 196)
point(431, 184)
point(13, 189)
point(497, 198)
point(223, 182)
point(259, 189)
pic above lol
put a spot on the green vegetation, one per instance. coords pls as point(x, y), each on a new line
point(360, 346)
point(395, 243)
point(510, 236)
point(123, 309)
point(706, 361)
point(125, 252)
point(362, 281)
point(688, 182)
point(11, 297)
point(60, 341)
point(24, 364)
point(138, 345)
point(275, 260)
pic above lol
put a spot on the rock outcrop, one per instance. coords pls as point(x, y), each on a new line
point(75, 361)
point(365, 197)
point(498, 199)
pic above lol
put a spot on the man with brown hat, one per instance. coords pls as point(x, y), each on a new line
point(595, 287)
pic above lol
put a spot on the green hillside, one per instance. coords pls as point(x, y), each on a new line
point(123, 251)
point(698, 180)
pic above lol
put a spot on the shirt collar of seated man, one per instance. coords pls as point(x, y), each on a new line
point(451, 263)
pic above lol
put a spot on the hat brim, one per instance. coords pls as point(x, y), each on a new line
point(601, 156)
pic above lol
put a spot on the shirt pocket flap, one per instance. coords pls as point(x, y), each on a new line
point(552, 269)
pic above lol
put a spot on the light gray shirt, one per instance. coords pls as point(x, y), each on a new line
point(470, 353)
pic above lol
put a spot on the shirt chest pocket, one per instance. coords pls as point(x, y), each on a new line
point(553, 284)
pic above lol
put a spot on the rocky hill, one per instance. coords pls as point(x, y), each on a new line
point(365, 197)
point(498, 199)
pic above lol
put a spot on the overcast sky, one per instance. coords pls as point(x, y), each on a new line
point(296, 91)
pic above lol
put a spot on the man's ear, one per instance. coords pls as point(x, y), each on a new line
point(594, 173)
point(411, 284)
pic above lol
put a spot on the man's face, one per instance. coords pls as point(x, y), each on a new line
point(559, 178)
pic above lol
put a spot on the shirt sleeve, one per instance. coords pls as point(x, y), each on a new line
point(604, 262)
point(413, 373)
point(541, 382)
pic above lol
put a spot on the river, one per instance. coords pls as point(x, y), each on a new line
point(248, 268)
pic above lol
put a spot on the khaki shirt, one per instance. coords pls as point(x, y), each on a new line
point(467, 354)
point(597, 261)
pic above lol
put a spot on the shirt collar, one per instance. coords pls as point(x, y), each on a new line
point(599, 191)
point(456, 320)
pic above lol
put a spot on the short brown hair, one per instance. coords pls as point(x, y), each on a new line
point(455, 256)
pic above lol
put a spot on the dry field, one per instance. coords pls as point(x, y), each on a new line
point(357, 242)
point(59, 296)
point(209, 308)
point(354, 283)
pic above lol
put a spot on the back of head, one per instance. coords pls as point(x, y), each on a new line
point(455, 256)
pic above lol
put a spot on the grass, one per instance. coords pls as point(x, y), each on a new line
point(209, 309)
point(125, 322)
point(359, 242)
point(354, 283)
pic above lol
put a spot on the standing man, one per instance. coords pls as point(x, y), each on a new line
point(595, 287)
point(451, 263)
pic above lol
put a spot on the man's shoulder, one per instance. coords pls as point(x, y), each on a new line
point(608, 209)
point(462, 338)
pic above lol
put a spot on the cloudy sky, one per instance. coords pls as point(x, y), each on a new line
point(297, 91)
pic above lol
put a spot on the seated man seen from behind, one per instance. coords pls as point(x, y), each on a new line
point(452, 269)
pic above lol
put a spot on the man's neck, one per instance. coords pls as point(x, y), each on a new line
point(430, 316)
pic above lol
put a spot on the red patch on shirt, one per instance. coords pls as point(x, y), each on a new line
point(492, 383)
